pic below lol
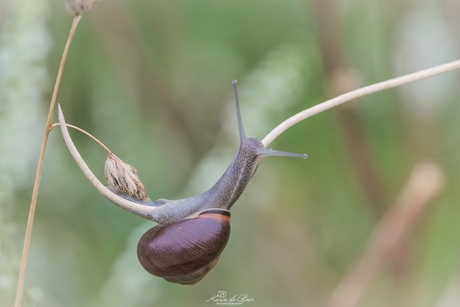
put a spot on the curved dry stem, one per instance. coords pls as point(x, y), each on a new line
point(41, 159)
point(107, 150)
point(136, 208)
point(370, 89)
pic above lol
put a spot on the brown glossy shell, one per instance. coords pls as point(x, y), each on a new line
point(185, 251)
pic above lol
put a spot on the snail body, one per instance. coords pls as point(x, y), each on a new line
point(225, 192)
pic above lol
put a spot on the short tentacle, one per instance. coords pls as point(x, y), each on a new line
point(270, 152)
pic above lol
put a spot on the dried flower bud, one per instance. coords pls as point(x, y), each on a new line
point(122, 178)
point(78, 7)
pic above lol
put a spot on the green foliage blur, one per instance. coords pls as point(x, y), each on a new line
point(152, 81)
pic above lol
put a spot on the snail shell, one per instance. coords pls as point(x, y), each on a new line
point(184, 252)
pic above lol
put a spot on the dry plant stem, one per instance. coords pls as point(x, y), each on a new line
point(33, 202)
point(146, 211)
point(377, 87)
point(140, 210)
point(389, 235)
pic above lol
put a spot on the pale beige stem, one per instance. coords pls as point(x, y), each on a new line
point(138, 209)
point(370, 89)
point(389, 235)
point(33, 202)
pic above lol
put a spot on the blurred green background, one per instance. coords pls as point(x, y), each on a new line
point(152, 80)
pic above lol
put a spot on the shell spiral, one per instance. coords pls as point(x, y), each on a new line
point(185, 251)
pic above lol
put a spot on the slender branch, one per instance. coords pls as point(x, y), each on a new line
point(87, 133)
point(370, 89)
point(389, 235)
point(33, 202)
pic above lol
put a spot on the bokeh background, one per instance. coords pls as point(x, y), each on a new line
point(152, 80)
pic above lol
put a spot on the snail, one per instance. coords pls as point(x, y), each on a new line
point(192, 232)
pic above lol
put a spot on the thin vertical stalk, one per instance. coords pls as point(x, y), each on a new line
point(33, 202)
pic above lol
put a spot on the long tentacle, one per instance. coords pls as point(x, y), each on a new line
point(238, 114)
